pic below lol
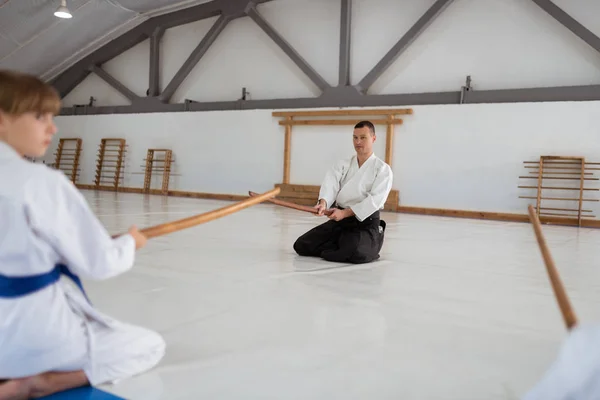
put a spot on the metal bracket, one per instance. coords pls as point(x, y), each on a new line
point(245, 94)
point(465, 89)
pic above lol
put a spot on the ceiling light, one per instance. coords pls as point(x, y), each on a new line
point(63, 11)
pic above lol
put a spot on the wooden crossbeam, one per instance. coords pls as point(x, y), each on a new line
point(320, 122)
point(335, 113)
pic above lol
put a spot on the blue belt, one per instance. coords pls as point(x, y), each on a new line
point(19, 286)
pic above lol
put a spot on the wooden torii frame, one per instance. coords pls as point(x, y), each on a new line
point(304, 194)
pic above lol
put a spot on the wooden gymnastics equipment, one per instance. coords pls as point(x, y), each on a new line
point(110, 160)
point(164, 165)
point(307, 194)
point(565, 169)
point(67, 157)
point(170, 227)
point(559, 291)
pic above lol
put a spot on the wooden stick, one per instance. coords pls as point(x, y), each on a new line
point(169, 227)
point(557, 286)
point(293, 205)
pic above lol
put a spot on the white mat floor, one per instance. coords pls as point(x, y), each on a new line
point(455, 309)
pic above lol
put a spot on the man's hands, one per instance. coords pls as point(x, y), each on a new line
point(321, 207)
point(338, 215)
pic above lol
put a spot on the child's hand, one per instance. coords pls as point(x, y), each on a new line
point(140, 239)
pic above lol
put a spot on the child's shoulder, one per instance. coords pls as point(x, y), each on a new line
point(43, 176)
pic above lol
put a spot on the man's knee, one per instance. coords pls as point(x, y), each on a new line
point(305, 245)
point(366, 253)
point(363, 257)
point(301, 247)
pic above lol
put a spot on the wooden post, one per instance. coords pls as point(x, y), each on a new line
point(166, 171)
point(148, 174)
point(287, 151)
point(119, 163)
point(581, 181)
point(58, 154)
point(539, 188)
point(389, 140)
point(100, 162)
point(76, 161)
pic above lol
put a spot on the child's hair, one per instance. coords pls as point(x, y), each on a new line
point(21, 93)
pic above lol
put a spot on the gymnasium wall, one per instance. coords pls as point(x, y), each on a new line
point(445, 156)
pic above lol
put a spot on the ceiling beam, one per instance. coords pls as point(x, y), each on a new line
point(154, 67)
point(570, 23)
point(66, 81)
point(112, 81)
point(530, 95)
point(345, 43)
point(288, 49)
point(405, 41)
point(194, 58)
point(69, 79)
point(350, 97)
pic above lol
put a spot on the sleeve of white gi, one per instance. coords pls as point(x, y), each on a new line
point(62, 216)
point(575, 374)
point(377, 196)
point(330, 186)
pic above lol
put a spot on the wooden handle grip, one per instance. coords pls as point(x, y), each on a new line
point(559, 290)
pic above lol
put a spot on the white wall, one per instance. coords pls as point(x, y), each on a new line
point(448, 156)
point(214, 152)
point(452, 156)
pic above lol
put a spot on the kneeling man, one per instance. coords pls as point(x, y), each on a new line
point(359, 187)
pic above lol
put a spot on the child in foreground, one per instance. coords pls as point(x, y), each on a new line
point(51, 338)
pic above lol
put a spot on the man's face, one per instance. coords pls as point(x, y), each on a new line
point(363, 141)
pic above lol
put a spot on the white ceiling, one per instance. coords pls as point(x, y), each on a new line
point(33, 40)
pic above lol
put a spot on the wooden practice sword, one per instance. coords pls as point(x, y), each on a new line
point(169, 227)
point(559, 290)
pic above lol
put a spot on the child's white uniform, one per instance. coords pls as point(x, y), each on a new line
point(45, 221)
point(575, 374)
